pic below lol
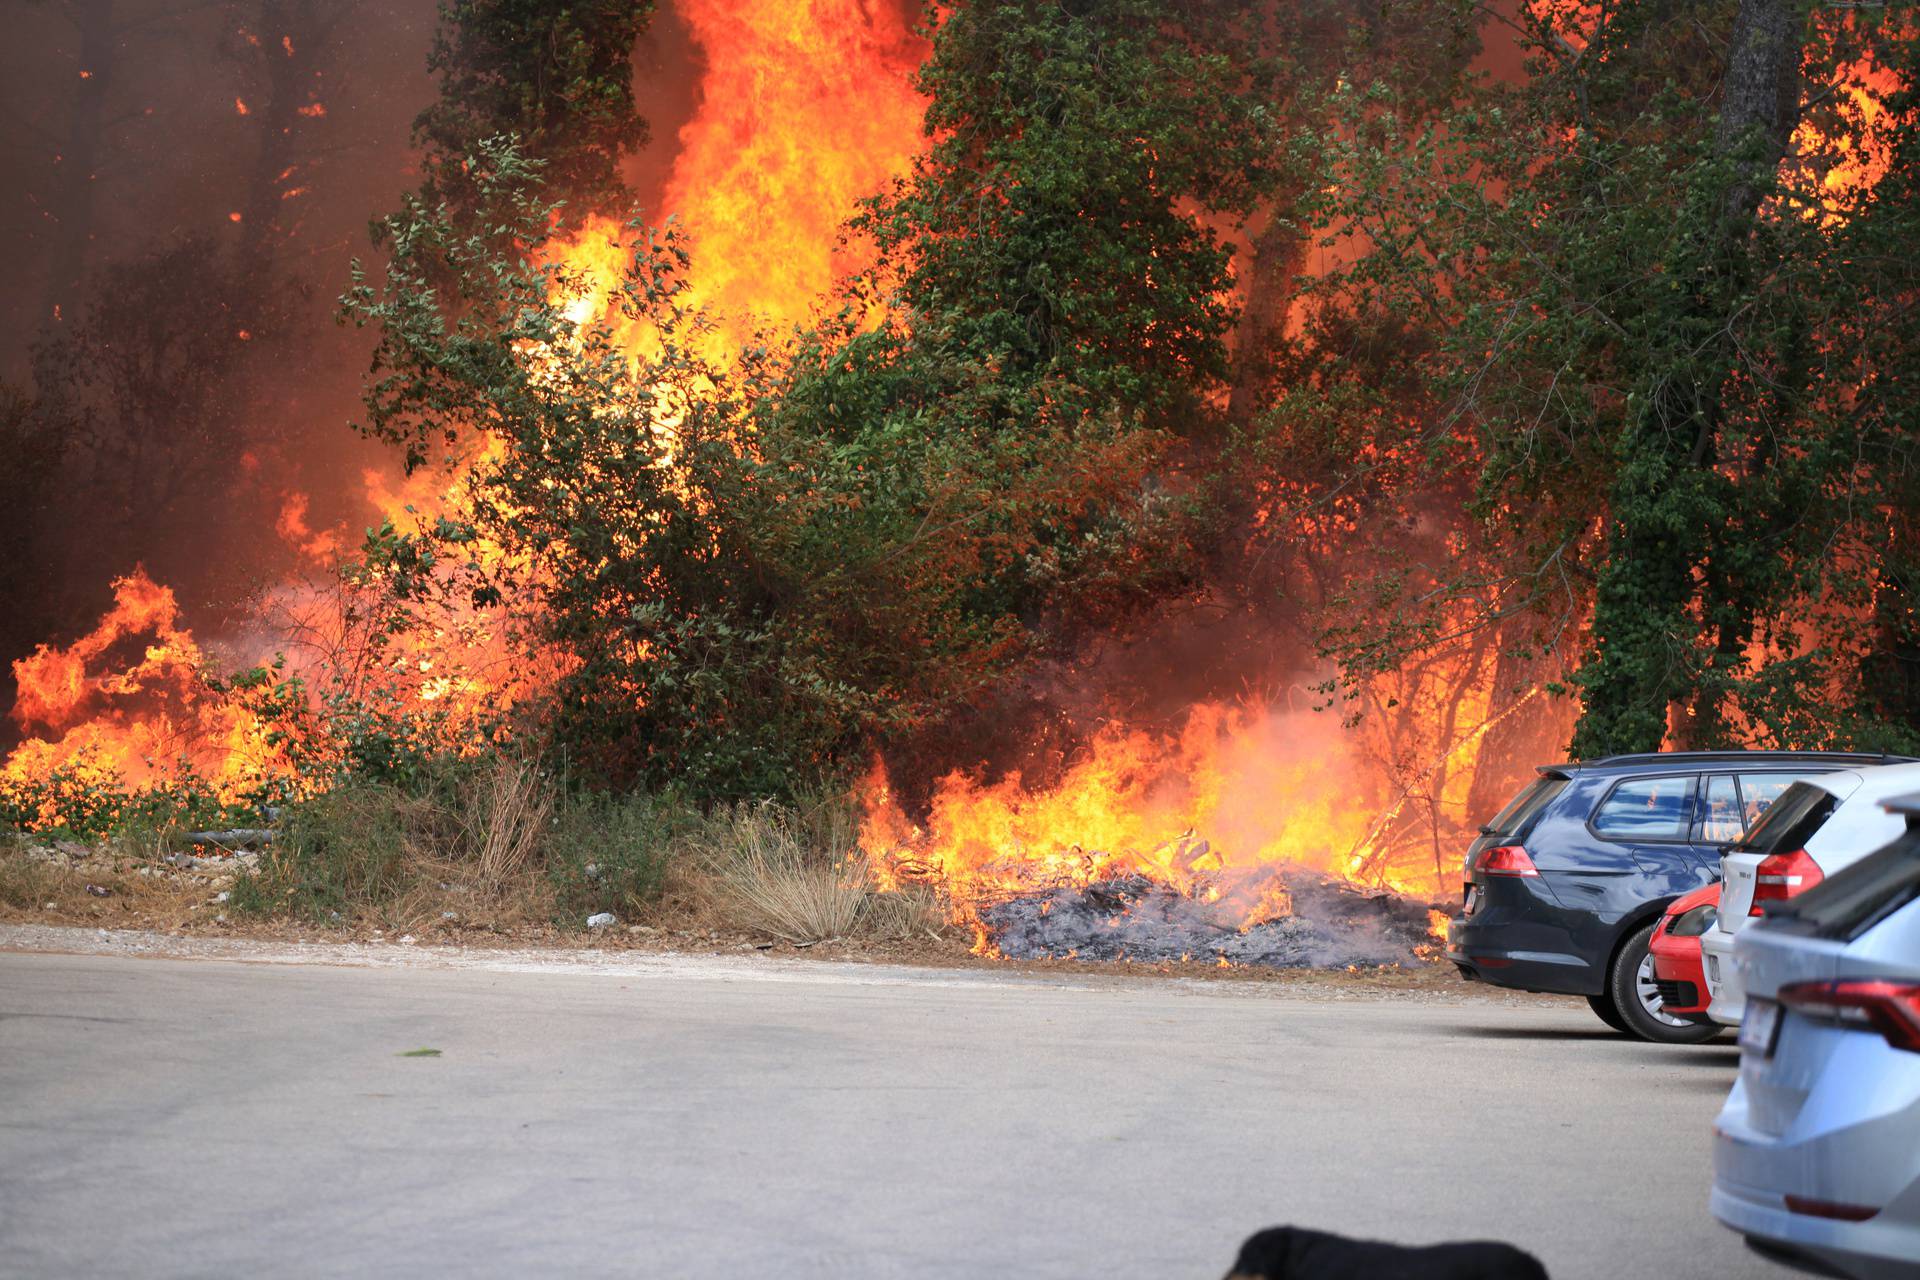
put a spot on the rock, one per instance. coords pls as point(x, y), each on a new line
point(99, 891)
point(223, 896)
point(640, 930)
point(449, 915)
point(601, 920)
point(593, 871)
point(406, 939)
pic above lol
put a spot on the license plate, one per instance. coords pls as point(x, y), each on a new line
point(1760, 1028)
point(1473, 898)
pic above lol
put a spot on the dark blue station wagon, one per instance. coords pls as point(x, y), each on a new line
point(1565, 886)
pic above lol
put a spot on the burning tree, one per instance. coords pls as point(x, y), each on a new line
point(1656, 339)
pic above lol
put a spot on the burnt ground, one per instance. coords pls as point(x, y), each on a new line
point(1332, 925)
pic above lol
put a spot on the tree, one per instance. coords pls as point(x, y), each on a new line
point(1064, 222)
point(555, 75)
point(749, 572)
point(1663, 352)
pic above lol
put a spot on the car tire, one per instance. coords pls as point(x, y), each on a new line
point(1637, 1000)
point(1603, 1008)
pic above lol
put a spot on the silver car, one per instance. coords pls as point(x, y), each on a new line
point(1817, 1151)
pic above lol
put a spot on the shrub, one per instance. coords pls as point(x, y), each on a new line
point(25, 881)
point(612, 853)
point(506, 810)
point(344, 851)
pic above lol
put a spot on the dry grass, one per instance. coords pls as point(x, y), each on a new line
point(501, 848)
point(507, 811)
point(798, 876)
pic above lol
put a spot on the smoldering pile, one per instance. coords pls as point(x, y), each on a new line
point(1331, 924)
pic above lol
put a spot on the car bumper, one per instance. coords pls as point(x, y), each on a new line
point(1871, 1250)
point(1800, 1123)
point(1677, 968)
point(1515, 939)
point(1724, 984)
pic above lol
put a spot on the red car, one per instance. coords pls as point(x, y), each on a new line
point(1678, 969)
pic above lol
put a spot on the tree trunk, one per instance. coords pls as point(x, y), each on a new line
point(1279, 254)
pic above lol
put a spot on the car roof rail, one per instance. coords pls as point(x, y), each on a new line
point(1731, 757)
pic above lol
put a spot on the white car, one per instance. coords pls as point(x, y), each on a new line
point(1809, 831)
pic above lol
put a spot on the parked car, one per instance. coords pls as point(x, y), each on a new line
point(1565, 886)
point(1817, 1151)
point(1813, 829)
point(1678, 969)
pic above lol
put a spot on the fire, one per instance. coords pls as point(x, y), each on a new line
point(127, 704)
point(807, 106)
point(1850, 162)
point(1214, 810)
point(803, 109)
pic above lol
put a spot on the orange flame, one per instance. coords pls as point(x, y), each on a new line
point(128, 701)
point(807, 106)
point(1214, 810)
point(1855, 157)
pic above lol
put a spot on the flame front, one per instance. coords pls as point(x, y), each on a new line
point(128, 704)
point(1215, 810)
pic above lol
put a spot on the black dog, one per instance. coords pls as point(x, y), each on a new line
point(1295, 1253)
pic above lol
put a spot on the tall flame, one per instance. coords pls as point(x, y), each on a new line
point(807, 107)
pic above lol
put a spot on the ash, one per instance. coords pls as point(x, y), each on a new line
point(1334, 924)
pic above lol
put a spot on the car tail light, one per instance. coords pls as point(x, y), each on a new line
point(1782, 875)
point(1891, 1008)
point(1505, 860)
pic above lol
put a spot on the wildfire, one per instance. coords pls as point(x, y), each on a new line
point(803, 109)
point(127, 703)
point(1847, 162)
point(1214, 810)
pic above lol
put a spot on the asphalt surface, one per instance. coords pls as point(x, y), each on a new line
point(182, 1117)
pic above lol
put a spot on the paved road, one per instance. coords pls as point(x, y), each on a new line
point(168, 1117)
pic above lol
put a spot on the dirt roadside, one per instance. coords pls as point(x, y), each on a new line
point(1429, 984)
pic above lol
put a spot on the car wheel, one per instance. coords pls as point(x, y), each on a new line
point(1602, 1005)
point(1636, 997)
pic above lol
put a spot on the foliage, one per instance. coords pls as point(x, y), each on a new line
point(612, 853)
point(1060, 225)
point(557, 76)
point(752, 569)
point(798, 875)
point(1660, 367)
point(340, 853)
point(85, 799)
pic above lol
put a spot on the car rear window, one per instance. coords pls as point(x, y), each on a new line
point(1854, 899)
point(1647, 809)
point(1759, 791)
point(1790, 821)
point(1528, 805)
